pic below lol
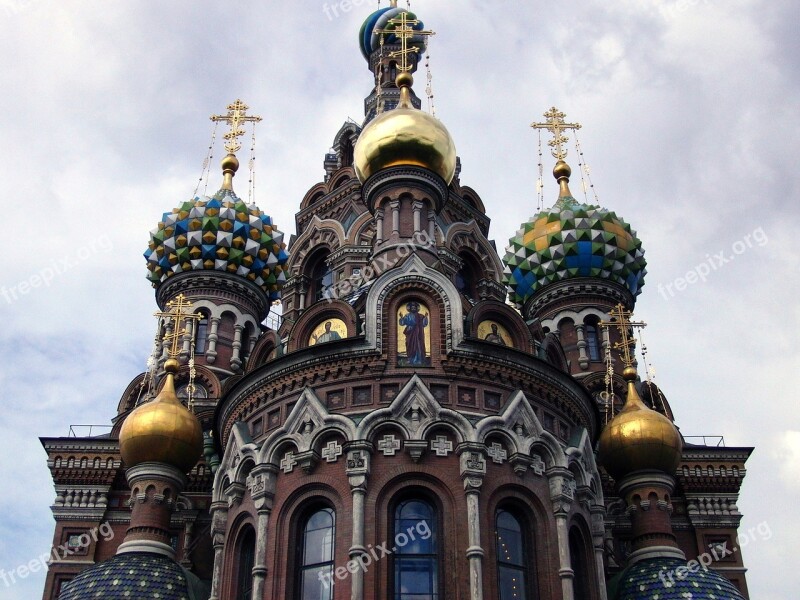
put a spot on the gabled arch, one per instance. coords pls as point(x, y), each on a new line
point(469, 235)
point(267, 343)
point(308, 420)
point(415, 411)
point(524, 430)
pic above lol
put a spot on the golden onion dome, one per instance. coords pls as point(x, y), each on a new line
point(405, 136)
point(163, 430)
point(639, 438)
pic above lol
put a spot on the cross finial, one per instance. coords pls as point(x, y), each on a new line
point(621, 320)
point(235, 117)
point(403, 27)
point(179, 313)
point(555, 124)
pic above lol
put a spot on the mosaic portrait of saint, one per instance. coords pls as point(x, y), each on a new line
point(413, 335)
point(329, 330)
point(494, 332)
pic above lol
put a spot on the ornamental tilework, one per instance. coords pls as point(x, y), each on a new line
point(220, 233)
point(132, 575)
point(572, 240)
point(657, 580)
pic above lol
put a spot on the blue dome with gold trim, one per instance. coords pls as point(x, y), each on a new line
point(370, 41)
point(219, 233)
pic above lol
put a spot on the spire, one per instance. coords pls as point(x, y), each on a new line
point(235, 117)
point(556, 125)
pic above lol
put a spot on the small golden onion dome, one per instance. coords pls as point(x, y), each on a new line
point(405, 136)
point(639, 438)
point(163, 430)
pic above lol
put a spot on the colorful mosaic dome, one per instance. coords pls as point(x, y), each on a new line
point(658, 579)
point(135, 575)
point(370, 41)
point(572, 240)
point(220, 233)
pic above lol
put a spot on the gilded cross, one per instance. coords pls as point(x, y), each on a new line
point(403, 28)
point(621, 320)
point(179, 314)
point(555, 124)
point(235, 117)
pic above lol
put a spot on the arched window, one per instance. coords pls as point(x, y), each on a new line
point(513, 575)
point(416, 561)
point(323, 277)
point(315, 555)
point(246, 561)
point(592, 343)
point(466, 279)
point(202, 335)
point(580, 566)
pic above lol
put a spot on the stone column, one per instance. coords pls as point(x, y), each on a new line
point(473, 470)
point(561, 495)
point(236, 356)
point(262, 489)
point(583, 358)
point(219, 526)
point(417, 206)
point(395, 206)
point(598, 542)
point(358, 468)
point(379, 226)
point(432, 226)
point(187, 339)
point(211, 348)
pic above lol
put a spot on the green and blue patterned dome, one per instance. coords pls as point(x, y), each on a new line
point(370, 41)
point(219, 233)
point(569, 240)
point(657, 579)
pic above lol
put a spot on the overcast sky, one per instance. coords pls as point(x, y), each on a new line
point(690, 126)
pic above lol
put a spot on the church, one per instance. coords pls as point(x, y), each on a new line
point(383, 406)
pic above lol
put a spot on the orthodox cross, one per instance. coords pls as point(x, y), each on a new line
point(555, 124)
point(179, 313)
point(403, 28)
point(235, 117)
point(621, 320)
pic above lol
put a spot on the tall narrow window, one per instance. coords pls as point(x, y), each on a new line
point(315, 556)
point(202, 335)
point(416, 561)
point(247, 556)
point(580, 566)
point(512, 562)
point(323, 279)
point(592, 343)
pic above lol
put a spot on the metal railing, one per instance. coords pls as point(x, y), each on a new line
point(89, 430)
point(717, 441)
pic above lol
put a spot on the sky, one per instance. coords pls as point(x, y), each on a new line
point(690, 130)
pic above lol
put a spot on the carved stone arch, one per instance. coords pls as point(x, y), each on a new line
point(505, 315)
point(239, 446)
point(553, 352)
point(475, 201)
point(308, 418)
point(344, 142)
point(328, 234)
point(468, 236)
point(131, 394)
point(520, 421)
point(582, 456)
point(415, 411)
point(340, 178)
point(305, 325)
point(413, 273)
point(314, 195)
point(203, 375)
point(362, 231)
point(267, 343)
